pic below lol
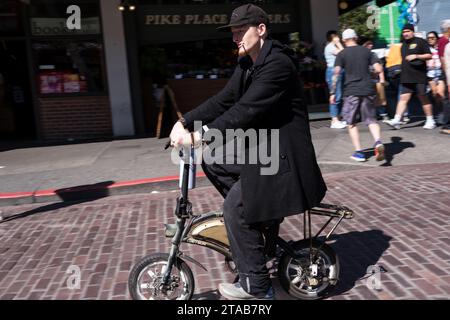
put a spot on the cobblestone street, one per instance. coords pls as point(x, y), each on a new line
point(401, 223)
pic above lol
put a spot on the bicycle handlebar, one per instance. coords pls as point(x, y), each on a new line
point(168, 143)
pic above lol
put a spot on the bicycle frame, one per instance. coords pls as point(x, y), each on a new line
point(190, 228)
point(183, 211)
point(328, 210)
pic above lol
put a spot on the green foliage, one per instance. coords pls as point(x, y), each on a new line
point(356, 19)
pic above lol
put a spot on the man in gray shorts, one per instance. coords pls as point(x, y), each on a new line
point(359, 92)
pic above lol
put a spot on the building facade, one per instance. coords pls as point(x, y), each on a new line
point(83, 69)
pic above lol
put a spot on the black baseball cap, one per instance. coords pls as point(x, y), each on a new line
point(246, 14)
point(409, 27)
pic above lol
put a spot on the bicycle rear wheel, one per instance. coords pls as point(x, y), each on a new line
point(305, 278)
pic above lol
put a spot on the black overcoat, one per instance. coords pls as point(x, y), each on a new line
point(269, 96)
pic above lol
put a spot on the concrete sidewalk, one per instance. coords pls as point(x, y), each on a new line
point(77, 171)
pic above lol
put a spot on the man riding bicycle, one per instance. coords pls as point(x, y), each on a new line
point(264, 92)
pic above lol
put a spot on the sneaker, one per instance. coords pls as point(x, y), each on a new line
point(338, 125)
point(358, 156)
point(445, 131)
point(379, 151)
point(429, 125)
point(384, 117)
point(405, 120)
point(394, 124)
point(234, 291)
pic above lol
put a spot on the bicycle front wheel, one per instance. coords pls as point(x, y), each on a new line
point(145, 280)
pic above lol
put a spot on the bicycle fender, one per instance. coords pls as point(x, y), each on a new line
point(181, 255)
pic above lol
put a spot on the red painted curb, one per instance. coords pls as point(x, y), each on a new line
point(52, 192)
point(14, 195)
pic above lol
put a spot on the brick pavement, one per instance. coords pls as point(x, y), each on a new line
point(401, 223)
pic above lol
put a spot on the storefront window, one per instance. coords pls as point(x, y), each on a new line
point(66, 66)
point(68, 61)
point(11, 23)
point(207, 59)
point(197, 59)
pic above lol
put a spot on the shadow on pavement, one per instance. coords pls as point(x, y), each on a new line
point(395, 147)
point(391, 149)
point(69, 196)
point(358, 251)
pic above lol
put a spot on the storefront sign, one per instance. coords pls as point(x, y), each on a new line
point(161, 19)
point(58, 26)
point(170, 23)
point(196, 19)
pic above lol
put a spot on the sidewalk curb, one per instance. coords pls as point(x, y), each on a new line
point(96, 191)
point(168, 183)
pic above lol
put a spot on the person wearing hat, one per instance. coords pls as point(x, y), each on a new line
point(413, 78)
point(359, 92)
point(264, 92)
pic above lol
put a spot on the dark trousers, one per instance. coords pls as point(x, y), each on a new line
point(248, 247)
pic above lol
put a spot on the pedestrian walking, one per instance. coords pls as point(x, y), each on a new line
point(359, 92)
point(442, 43)
point(435, 74)
point(380, 82)
point(332, 49)
point(413, 79)
point(394, 69)
point(446, 59)
point(444, 117)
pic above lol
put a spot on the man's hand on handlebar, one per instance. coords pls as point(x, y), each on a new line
point(182, 137)
point(177, 134)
